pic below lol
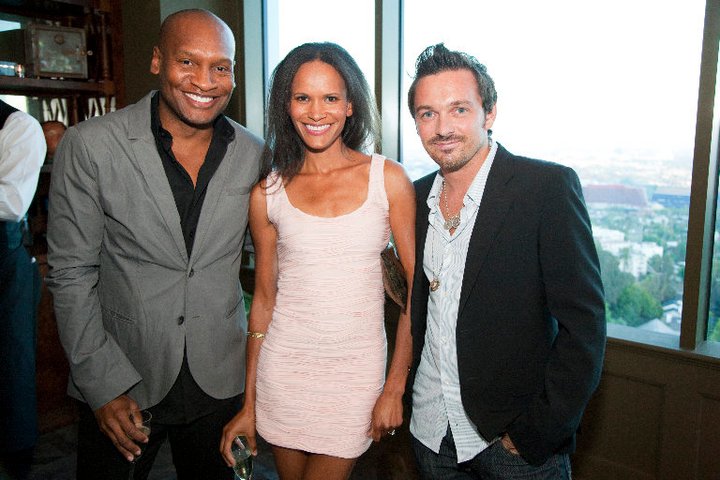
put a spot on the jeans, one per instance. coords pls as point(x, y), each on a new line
point(493, 463)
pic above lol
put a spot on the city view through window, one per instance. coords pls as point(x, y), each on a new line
point(612, 94)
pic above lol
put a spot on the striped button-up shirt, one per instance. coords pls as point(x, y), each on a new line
point(436, 393)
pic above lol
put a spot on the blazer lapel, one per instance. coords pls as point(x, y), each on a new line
point(212, 196)
point(491, 215)
point(420, 283)
point(422, 220)
point(147, 159)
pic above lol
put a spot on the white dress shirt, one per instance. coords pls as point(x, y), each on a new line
point(22, 153)
point(436, 392)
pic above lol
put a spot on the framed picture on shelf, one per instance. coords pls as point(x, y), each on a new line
point(55, 52)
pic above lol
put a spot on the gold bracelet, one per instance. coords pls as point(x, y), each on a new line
point(255, 335)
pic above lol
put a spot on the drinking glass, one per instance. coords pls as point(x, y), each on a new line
point(141, 419)
point(243, 458)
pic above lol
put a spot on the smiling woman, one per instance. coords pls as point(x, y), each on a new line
point(319, 105)
point(316, 388)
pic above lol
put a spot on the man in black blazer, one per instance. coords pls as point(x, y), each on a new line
point(508, 314)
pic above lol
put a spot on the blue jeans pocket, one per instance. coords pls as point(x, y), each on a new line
point(498, 463)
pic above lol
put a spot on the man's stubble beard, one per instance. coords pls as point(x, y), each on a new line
point(456, 160)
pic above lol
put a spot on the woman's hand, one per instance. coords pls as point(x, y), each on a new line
point(387, 415)
point(241, 424)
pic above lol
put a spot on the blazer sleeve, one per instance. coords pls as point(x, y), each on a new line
point(98, 367)
point(574, 295)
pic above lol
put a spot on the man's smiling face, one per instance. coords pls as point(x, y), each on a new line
point(195, 64)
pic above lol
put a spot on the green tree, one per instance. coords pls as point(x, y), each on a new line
point(715, 288)
point(614, 280)
point(611, 318)
point(636, 306)
point(661, 279)
point(715, 334)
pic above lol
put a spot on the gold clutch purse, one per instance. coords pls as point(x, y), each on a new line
point(393, 274)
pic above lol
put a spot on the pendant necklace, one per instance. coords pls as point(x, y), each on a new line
point(452, 221)
point(435, 282)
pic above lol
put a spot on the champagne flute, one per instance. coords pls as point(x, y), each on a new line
point(243, 458)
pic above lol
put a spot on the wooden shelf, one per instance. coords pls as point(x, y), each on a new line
point(47, 8)
point(34, 87)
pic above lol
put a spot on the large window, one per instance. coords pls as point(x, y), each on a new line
point(713, 327)
point(609, 88)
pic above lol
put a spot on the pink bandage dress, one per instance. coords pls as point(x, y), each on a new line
point(322, 363)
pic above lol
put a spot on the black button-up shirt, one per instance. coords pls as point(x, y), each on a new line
point(186, 401)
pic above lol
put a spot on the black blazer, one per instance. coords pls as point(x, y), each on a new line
point(531, 321)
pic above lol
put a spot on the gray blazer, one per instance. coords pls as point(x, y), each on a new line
point(128, 300)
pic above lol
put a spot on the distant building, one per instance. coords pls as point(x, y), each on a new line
point(616, 195)
point(633, 257)
point(672, 197)
point(658, 326)
point(610, 240)
point(672, 314)
point(670, 321)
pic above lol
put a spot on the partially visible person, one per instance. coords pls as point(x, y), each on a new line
point(508, 314)
point(148, 211)
point(316, 355)
point(53, 131)
point(22, 151)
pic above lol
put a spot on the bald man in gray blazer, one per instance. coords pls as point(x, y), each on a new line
point(148, 211)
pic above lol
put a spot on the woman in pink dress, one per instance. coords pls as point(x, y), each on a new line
point(316, 353)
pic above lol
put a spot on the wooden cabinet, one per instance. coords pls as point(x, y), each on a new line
point(51, 96)
point(69, 100)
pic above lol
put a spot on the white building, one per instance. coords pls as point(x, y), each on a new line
point(633, 256)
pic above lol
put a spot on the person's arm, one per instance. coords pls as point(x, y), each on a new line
point(99, 368)
point(388, 412)
point(264, 236)
point(571, 275)
point(22, 153)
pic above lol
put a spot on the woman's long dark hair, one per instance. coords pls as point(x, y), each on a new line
point(284, 149)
